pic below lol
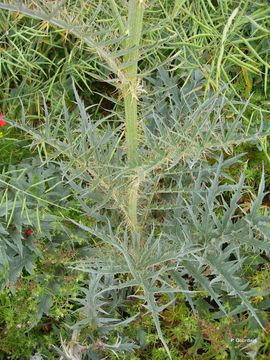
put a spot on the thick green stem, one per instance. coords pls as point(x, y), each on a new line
point(131, 128)
point(130, 92)
point(130, 95)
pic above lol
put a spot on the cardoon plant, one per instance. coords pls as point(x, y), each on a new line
point(152, 177)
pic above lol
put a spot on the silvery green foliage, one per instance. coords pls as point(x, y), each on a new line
point(202, 230)
point(187, 225)
point(190, 215)
point(227, 233)
point(204, 237)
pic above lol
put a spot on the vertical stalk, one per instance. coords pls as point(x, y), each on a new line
point(130, 96)
point(129, 91)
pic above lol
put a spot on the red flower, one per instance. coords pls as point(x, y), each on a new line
point(28, 232)
point(2, 121)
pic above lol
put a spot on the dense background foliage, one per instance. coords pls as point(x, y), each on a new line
point(192, 280)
